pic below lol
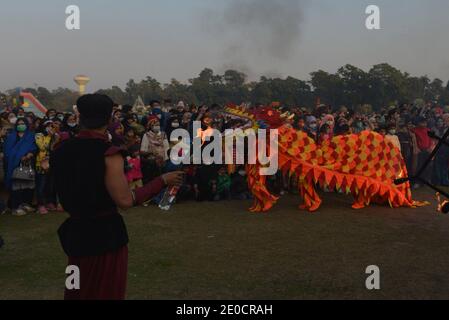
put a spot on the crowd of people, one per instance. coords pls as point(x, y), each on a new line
point(27, 142)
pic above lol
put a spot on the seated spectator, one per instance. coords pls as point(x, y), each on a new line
point(221, 187)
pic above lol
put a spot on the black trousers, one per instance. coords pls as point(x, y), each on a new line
point(422, 158)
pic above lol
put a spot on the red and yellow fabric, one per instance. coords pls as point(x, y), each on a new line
point(364, 165)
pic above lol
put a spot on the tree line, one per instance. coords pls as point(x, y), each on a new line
point(382, 85)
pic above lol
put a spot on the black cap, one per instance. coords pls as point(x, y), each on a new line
point(95, 110)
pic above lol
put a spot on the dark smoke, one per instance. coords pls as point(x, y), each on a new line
point(254, 32)
point(270, 26)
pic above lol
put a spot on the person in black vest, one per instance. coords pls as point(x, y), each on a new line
point(90, 182)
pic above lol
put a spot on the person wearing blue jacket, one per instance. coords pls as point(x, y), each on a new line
point(19, 148)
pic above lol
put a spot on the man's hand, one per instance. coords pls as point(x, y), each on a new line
point(173, 178)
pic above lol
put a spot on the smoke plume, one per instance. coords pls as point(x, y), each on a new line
point(257, 31)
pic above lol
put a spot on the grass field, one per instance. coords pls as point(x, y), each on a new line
point(220, 251)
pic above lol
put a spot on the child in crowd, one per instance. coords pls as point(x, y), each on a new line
point(221, 187)
point(134, 173)
point(131, 139)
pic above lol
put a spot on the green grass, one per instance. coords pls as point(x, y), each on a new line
point(220, 251)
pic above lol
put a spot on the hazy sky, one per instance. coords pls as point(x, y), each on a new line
point(168, 39)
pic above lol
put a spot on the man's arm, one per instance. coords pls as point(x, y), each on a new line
point(119, 190)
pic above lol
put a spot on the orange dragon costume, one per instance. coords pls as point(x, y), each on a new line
point(364, 165)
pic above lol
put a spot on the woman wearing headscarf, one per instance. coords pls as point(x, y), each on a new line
point(19, 148)
point(155, 144)
point(154, 149)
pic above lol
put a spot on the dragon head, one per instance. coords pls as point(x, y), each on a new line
point(261, 118)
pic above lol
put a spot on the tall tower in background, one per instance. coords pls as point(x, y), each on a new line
point(81, 81)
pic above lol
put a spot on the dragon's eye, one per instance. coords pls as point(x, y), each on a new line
point(270, 113)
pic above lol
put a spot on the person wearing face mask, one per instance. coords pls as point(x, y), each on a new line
point(157, 112)
point(70, 125)
point(20, 112)
point(180, 109)
point(311, 127)
point(154, 150)
point(174, 123)
point(155, 144)
point(46, 200)
point(359, 124)
point(60, 117)
point(167, 105)
point(392, 137)
point(20, 146)
point(51, 114)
